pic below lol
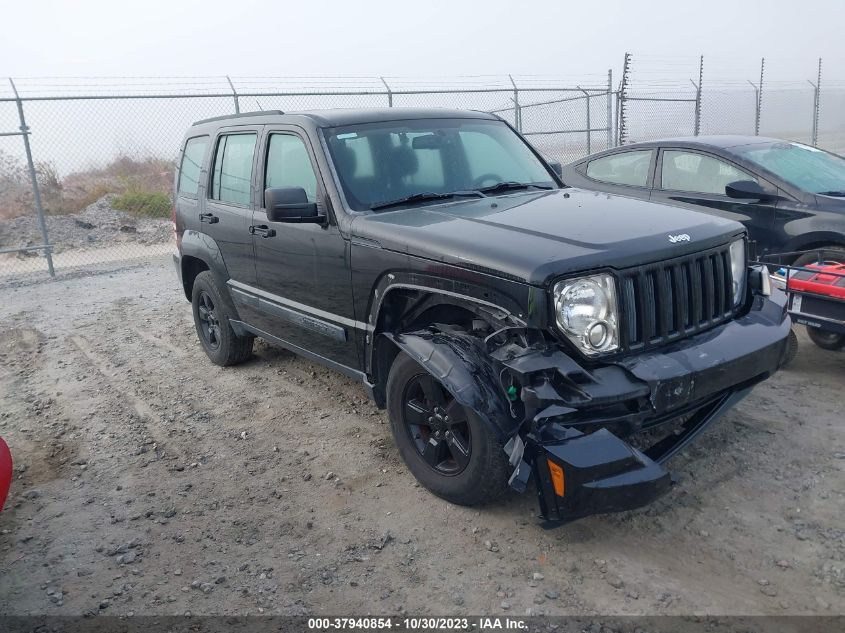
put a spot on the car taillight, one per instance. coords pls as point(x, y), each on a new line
point(176, 233)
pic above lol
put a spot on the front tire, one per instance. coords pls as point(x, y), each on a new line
point(446, 446)
point(825, 339)
point(211, 319)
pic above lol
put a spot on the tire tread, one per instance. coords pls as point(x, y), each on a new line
point(234, 349)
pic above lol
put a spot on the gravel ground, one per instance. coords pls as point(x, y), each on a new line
point(149, 481)
point(97, 225)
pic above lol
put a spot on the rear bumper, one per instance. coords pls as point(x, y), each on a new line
point(177, 262)
point(582, 432)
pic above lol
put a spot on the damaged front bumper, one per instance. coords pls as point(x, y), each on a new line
point(693, 381)
point(567, 423)
point(580, 474)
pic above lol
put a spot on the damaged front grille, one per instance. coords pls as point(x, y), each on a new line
point(672, 299)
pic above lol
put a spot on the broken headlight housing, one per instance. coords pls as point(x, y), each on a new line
point(587, 312)
point(738, 266)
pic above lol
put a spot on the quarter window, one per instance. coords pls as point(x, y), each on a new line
point(698, 173)
point(189, 170)
point(232, 175)
point(628, 168)
point(288, 165)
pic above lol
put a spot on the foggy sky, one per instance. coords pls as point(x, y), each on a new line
point(407, 38)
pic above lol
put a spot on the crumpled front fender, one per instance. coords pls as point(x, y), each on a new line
point(460, 363)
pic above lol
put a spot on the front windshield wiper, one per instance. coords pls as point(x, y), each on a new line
point(835, 194)
point(511, 185)
point(425, 197)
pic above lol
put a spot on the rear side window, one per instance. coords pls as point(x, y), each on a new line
point(288, 165)
point(232, 175)
point(189, 170)
point(627, 168)
point(697, 173)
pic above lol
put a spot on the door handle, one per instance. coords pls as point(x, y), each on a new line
point(209, 218)
point(263, 230)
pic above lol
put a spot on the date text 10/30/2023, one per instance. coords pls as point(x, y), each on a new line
point(417, 623)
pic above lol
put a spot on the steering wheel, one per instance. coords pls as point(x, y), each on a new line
point(479, 182)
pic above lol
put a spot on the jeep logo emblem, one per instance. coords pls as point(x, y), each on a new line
point(682, 237)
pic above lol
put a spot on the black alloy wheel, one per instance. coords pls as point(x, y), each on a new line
point(209, 321)
point(437, 425)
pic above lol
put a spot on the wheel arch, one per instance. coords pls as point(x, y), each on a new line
point(402, 307)
point(816, 239)
point(464, 370)
point(403, 310)
point(191, 267)
point(200, 253)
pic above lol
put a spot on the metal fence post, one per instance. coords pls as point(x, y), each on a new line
point(235, 94)
point(626, 69)
point(589, 132)
point(816, 98)
point(389, 93)
point(759, 98)
point(697, 127)
point(517, 111)
point(36, 192)
point(609, 108)
point(756, 107)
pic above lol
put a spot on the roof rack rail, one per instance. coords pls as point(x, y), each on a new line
point(242, 115)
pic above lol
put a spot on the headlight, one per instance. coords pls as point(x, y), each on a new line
point(738, 266)
point(586, 312)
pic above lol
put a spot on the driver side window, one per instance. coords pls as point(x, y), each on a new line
point(288, 165)
point(698, 173)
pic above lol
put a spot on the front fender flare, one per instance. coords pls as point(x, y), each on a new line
point(460, 364)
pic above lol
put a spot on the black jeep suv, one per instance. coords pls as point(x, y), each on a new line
point(510, 325)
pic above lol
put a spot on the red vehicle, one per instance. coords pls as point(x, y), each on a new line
point(816, 297)
point(5, 471)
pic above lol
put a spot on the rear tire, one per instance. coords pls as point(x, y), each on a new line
point(826, 340)
point(457, 456)
point(211, 319)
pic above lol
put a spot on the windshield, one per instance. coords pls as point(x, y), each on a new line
point(386, 162)
point(805, 167)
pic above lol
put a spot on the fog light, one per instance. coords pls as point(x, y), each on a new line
point(597, 334)
point(557, 477)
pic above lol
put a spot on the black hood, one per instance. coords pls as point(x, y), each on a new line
point(536, 236)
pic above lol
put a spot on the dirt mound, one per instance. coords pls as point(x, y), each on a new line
point(97, 225)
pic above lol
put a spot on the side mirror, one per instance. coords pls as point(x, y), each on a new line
point(290, 204)
point(747, 190)
point(557, 168)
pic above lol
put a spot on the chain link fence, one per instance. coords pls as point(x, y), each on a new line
point(102, 151)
